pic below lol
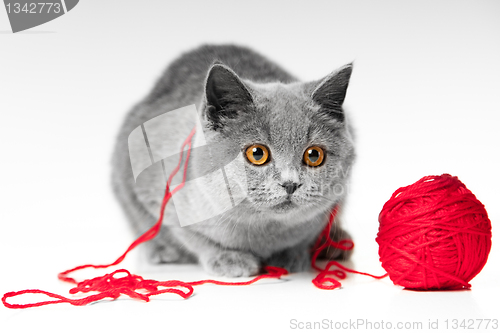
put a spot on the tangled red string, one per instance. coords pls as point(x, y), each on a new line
point(122, 282)
point(324, 240)
point(433, 235)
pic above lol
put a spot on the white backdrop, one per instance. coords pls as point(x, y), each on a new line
point(424, 98)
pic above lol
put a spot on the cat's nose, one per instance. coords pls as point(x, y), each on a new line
point(290, 187)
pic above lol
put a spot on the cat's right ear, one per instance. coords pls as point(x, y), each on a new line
point(225, 95)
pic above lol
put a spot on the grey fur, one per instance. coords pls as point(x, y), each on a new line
point(259, 103)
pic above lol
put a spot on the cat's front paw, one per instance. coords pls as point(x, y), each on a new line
point(333, 253)
point(158, 253)
point(293, 260)
point(233, 264)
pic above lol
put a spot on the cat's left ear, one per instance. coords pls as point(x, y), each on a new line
point(330, 92)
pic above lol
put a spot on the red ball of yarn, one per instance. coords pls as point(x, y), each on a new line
point(434, 235)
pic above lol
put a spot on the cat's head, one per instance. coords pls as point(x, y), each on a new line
point(294, 138)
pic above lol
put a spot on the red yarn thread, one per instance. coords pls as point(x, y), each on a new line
point(434, 235)
point(111, 286)
point(322, 281)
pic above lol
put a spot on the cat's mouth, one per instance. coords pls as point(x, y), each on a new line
point(285, 206)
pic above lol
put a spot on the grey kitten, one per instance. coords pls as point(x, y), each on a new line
point(282, 127)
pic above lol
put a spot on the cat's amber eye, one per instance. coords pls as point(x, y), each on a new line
point(314, 156)
point(257, 154)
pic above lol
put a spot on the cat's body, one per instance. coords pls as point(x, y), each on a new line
point(288, 201)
